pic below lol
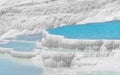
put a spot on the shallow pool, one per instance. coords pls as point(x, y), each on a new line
point(12, 67)
point(22, 42)
point(105, 30)
point(19, 45)
point(30, 37)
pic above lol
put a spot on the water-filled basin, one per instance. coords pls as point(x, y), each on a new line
point(14, 67)
point(30, 37)
point(20, 45)
point(104, 30)
point(22, 42)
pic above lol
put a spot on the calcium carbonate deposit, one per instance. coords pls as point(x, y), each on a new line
point(28, 21)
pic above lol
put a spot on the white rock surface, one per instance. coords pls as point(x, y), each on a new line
point(56, 41)
point(34, 16)
point(37, 15)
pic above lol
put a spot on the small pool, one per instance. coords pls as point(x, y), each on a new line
point(30, 37)
point(19, 45)
point(105, 30)
point(10, 67)
point(22, 42)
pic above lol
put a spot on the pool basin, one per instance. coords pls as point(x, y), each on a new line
point(105, 30)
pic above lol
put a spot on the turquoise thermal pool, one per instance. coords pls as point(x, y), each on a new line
point(32, 37)
point(105, 30)
point(23, 42)
point(19, 45)
point(14, 67)
point(11, 66)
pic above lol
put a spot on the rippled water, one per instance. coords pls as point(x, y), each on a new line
point(105, 30)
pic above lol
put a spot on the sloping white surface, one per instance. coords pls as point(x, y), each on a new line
point(37, 15)
point(34, 16)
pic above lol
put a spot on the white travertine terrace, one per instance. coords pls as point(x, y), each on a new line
point(38, 15)
point(18, 54)
point(55, 41)
point(34, 16)
point(56, 59)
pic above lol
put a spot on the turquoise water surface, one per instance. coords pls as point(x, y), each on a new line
point(10, 67)
point(32, 37)
point(23, 42)
point(105, 30)
point(19, 45)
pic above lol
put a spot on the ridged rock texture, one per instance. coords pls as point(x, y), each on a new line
point(57, 41)
point(37, 15)
point(34, 16)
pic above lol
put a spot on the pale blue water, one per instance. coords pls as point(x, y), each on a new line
point(106, 30)
point(22, 43)
point(19, 45)
point(10, 67)
point(29, 37)
point(32, 37)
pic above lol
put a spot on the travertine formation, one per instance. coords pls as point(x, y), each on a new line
point(38, 15)
point(56, 41)
point(34, 16)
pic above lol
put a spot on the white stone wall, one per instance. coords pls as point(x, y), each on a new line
point(56, 41)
